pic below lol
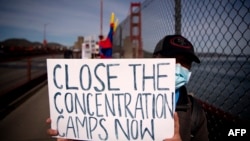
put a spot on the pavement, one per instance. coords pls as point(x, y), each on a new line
point(27, 121)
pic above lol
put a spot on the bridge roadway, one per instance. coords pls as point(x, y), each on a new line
point(27, 121)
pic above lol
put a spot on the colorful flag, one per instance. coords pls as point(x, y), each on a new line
point(106, 44)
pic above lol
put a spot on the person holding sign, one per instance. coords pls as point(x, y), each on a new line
point(190, 119)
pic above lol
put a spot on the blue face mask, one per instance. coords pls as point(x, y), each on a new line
point(182, 76)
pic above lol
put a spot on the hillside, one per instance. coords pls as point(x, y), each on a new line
point(15, 42)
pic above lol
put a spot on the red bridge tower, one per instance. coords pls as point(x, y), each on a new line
point(135, 29)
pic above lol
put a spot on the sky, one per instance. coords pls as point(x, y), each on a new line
point(60, 21)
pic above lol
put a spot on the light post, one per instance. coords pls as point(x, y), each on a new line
point(44, 35)
point(101, 17)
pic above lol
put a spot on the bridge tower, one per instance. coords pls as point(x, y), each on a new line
point(135, 29)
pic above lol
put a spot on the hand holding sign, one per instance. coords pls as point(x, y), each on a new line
point(177, 136)
point(53, 132)
point(95, 101)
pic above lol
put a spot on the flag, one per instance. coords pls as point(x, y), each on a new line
point(106, 44)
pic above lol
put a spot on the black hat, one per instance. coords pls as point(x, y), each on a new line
point(175, 44)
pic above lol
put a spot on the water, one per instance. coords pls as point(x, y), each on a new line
point(224, 83)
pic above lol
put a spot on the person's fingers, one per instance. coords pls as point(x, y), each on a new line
point(176, 136)
point(48, 120)
point(52, 132)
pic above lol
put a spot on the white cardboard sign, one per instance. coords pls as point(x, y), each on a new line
point(112, 99)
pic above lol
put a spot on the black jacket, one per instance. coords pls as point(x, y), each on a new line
point(192, 118)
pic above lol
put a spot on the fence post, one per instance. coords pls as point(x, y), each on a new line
point(178, 17)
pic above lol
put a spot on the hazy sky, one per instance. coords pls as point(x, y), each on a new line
point(65, 20)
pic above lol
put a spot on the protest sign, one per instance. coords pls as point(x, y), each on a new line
point(112, 99)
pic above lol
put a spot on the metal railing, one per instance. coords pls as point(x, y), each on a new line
point(20, 75)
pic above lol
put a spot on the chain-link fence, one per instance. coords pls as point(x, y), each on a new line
point(220, 33)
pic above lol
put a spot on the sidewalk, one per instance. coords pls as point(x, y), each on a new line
point(27, 121)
